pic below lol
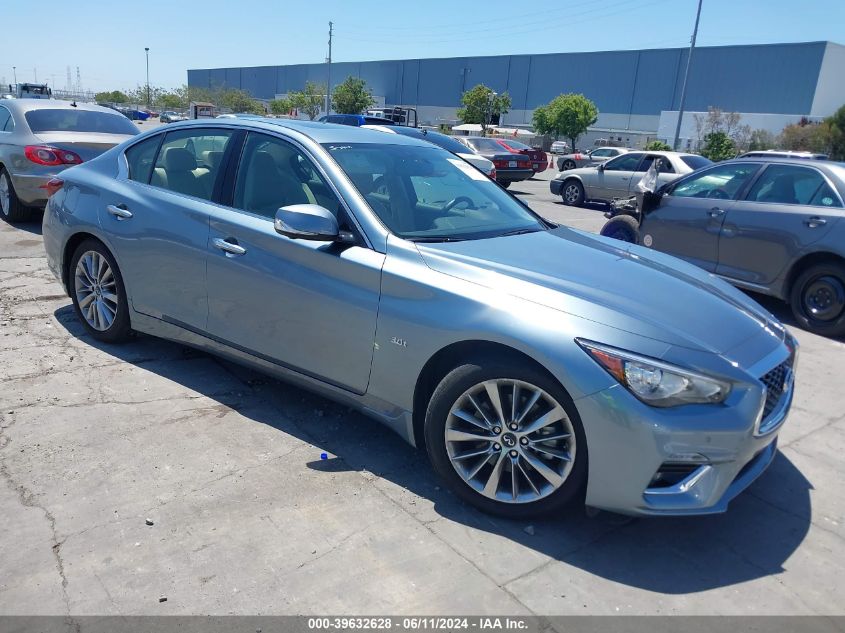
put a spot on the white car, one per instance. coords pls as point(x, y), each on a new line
point(559, 147)
point(442, 140)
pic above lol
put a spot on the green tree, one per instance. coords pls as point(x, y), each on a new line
point(239, 101)
point(170, 101)
point(115, 96)
point(310, 100)
point(567, 115)
point(718, 146)
point(658, 146)
point(281, 106)
point(481, 105)
point(837, 134)
point(352, 96)
point(761, 140)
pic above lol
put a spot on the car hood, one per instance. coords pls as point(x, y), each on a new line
point(620, 285)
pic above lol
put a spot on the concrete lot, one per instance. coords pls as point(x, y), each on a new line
point(248, 519)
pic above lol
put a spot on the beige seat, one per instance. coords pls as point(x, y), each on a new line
point(178, 173)
point(267, 188)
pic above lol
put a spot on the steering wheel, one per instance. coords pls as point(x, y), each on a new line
point(719, 194)
point(456, 201)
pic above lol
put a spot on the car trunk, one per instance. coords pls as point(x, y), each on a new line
point(87, 145)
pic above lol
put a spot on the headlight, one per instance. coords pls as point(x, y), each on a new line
point(655, 382)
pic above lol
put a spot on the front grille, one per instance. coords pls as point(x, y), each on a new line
point(777, 388)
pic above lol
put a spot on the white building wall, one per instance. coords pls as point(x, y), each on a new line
point(830, 89)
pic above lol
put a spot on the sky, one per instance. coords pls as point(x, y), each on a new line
point(106, 39)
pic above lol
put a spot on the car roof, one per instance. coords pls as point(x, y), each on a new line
point(790, 160)
point(318, 131)
point(26, 105)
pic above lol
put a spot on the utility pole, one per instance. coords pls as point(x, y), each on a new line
point(329, 73)
point(15, 73)
point(35, 72)
point(686, 77)
point(147, 51)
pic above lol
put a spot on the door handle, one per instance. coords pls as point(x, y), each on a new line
point(228, 247)
point(716, 212)
point(815, 222)
point(119, 211)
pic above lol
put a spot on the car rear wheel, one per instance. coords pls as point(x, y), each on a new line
point(98, 293)
point(817, 299)
point(573, 193)
point(504, 183)
point(622, 227)
point(506, 438)
point(11, 207)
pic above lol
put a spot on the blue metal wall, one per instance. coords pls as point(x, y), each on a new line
point(774, 78)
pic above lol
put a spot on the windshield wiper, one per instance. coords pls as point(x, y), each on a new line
point(432, 238)
point(519, 232)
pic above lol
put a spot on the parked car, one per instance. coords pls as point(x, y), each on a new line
point(617, 177)
point(41, 137)
point(510, 167)
point(357, 120)
point(775, 226)
point(134, 115)
point(538, 158)
point(591, 158)
point(171, 117)
point(448, 143)
point(559, 147)
point(630, 379)
point(779, 153)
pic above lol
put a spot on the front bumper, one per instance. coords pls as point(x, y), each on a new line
point(720, 450)
point(555, 186)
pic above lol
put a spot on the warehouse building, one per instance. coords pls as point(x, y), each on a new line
point(637, 92)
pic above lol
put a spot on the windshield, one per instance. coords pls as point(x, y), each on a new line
point(71, 120)
point(696, 162)
point(427, 194)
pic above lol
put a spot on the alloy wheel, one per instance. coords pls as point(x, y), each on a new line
point(96, 290)
point(571, 193)
point(5, 197)
point(510, 441)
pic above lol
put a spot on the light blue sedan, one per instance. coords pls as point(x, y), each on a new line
point(536, 364)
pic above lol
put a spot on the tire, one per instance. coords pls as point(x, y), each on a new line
point(11, 208)
point(817, 299)
point(569, 164)
point(106, 315)
point(537, 494)
point(622, 227)
point(505, 183)
point(572, 192)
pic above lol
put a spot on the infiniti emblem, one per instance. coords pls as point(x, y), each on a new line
point(508, 440)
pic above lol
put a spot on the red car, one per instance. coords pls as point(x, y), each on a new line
point(538, 158)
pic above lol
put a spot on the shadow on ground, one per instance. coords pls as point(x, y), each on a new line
point(762, 529)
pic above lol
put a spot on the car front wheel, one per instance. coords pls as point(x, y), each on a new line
point(98, 293)
point(573, 193)
point(507, 439)
point(817, 299)
point(622, 227)
point(570, 164)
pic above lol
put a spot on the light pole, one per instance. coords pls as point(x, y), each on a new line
point(686, 77)
point(15, 73)
point(147, 51)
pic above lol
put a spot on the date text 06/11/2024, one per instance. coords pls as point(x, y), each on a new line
point(431, 623)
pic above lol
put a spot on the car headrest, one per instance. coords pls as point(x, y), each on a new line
point(178, 159)
point(212, 158)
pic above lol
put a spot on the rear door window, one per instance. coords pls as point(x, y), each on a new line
point(189, 161)
point(141, 157)
point(5, 117)
point(788, 184)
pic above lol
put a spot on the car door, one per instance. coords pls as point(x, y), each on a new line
point(612, 178)
point(688, 219)
point(306, 305)
point(157, 221)
point(787, 209)
point(599, 156)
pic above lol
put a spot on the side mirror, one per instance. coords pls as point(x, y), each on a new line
point(600, 167)
point(307, 222)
